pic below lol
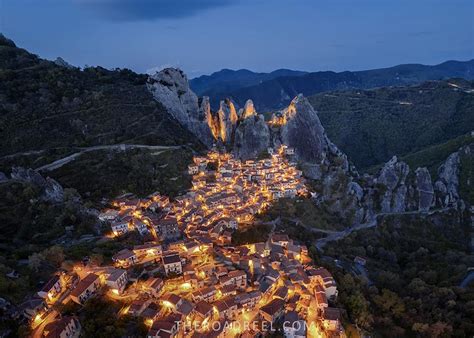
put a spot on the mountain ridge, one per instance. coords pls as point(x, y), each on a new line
point(277, 92)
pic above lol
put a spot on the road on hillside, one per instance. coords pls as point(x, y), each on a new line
point(65, 160)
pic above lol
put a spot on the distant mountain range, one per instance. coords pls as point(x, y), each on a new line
point(276, 89)
point(227, 80)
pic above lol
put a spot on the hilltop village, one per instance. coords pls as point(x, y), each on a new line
point(187, 279)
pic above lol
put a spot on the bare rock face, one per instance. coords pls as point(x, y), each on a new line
point(252, 137)
point(392, 176)
point(448, 181)
point(51, 191)
point(424, 188)
point(171, 88)
point(227, 119)
point(302, 130)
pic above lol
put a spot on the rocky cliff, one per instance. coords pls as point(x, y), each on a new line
point(171, 88)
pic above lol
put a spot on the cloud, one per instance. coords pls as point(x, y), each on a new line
point(138, 10)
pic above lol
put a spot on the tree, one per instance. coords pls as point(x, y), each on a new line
point(54, 255)
point(35, 260)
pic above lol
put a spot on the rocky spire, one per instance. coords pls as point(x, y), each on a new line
point(249, 110)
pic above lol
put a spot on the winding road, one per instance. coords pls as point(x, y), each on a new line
point(65, 160)
point(337, 235)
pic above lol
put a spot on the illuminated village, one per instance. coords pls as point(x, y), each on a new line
point(198, 283)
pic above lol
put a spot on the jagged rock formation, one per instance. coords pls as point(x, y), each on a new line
point(448, 181)
point(302, 130)
point(424, 188)
point(51, 190)
point(171, 88)
point(252, 137)
point(392, 177)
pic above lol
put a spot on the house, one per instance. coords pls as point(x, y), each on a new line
point(193, 169)
point(226, 308)
point(207, 294)
point(236, 277)
point(248, 300)
point(272, 311)
point(293, 326)
point(125, 258)
point(141, 227)
point(203, 310)
point(171, 301)
point(320, 295)
point(116, 280)
point(185, 308)
point(150, 313)
point(51, 289)
point(168, 228)
point(65, 327)
point(166, 327)
point(172, 264)
point(154, 286)
point(138, 306)
point(280, 239)
point(86, 288)
point(324, 277)
point(331, 319)
point(119, 227)
point(150, 249)
point(33, 307)
point(108, 215)
point(228, 290)
point(281, 292)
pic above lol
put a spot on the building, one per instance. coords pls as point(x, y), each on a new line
point(154, 286)
point(125, 258)
point(166, 327)
point(119, 227)
point(324, 277)
point(116, 280)
point(226, 308)
point(64, 327)
point(51, 289)
point(203, 311)
point(272, 311)
point(172, 264)
point(207, 294)
point(236, 277)
point(168, 228)
point(150, 249)
point(86, 288)
point(331, 319)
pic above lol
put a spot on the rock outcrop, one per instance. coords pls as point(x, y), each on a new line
point(252, 137)
point(424, 187)
point(302, 130)
point(447, 184)
point(51, 190)
point(392, 176)
point(171, 88)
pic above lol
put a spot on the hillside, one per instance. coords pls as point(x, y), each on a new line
point(277, 92)
point(371, 126)
point(44, 105)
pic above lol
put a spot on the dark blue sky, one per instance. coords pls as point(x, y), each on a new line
point(202, 36)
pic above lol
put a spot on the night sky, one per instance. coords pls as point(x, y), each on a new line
point(203, 36)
